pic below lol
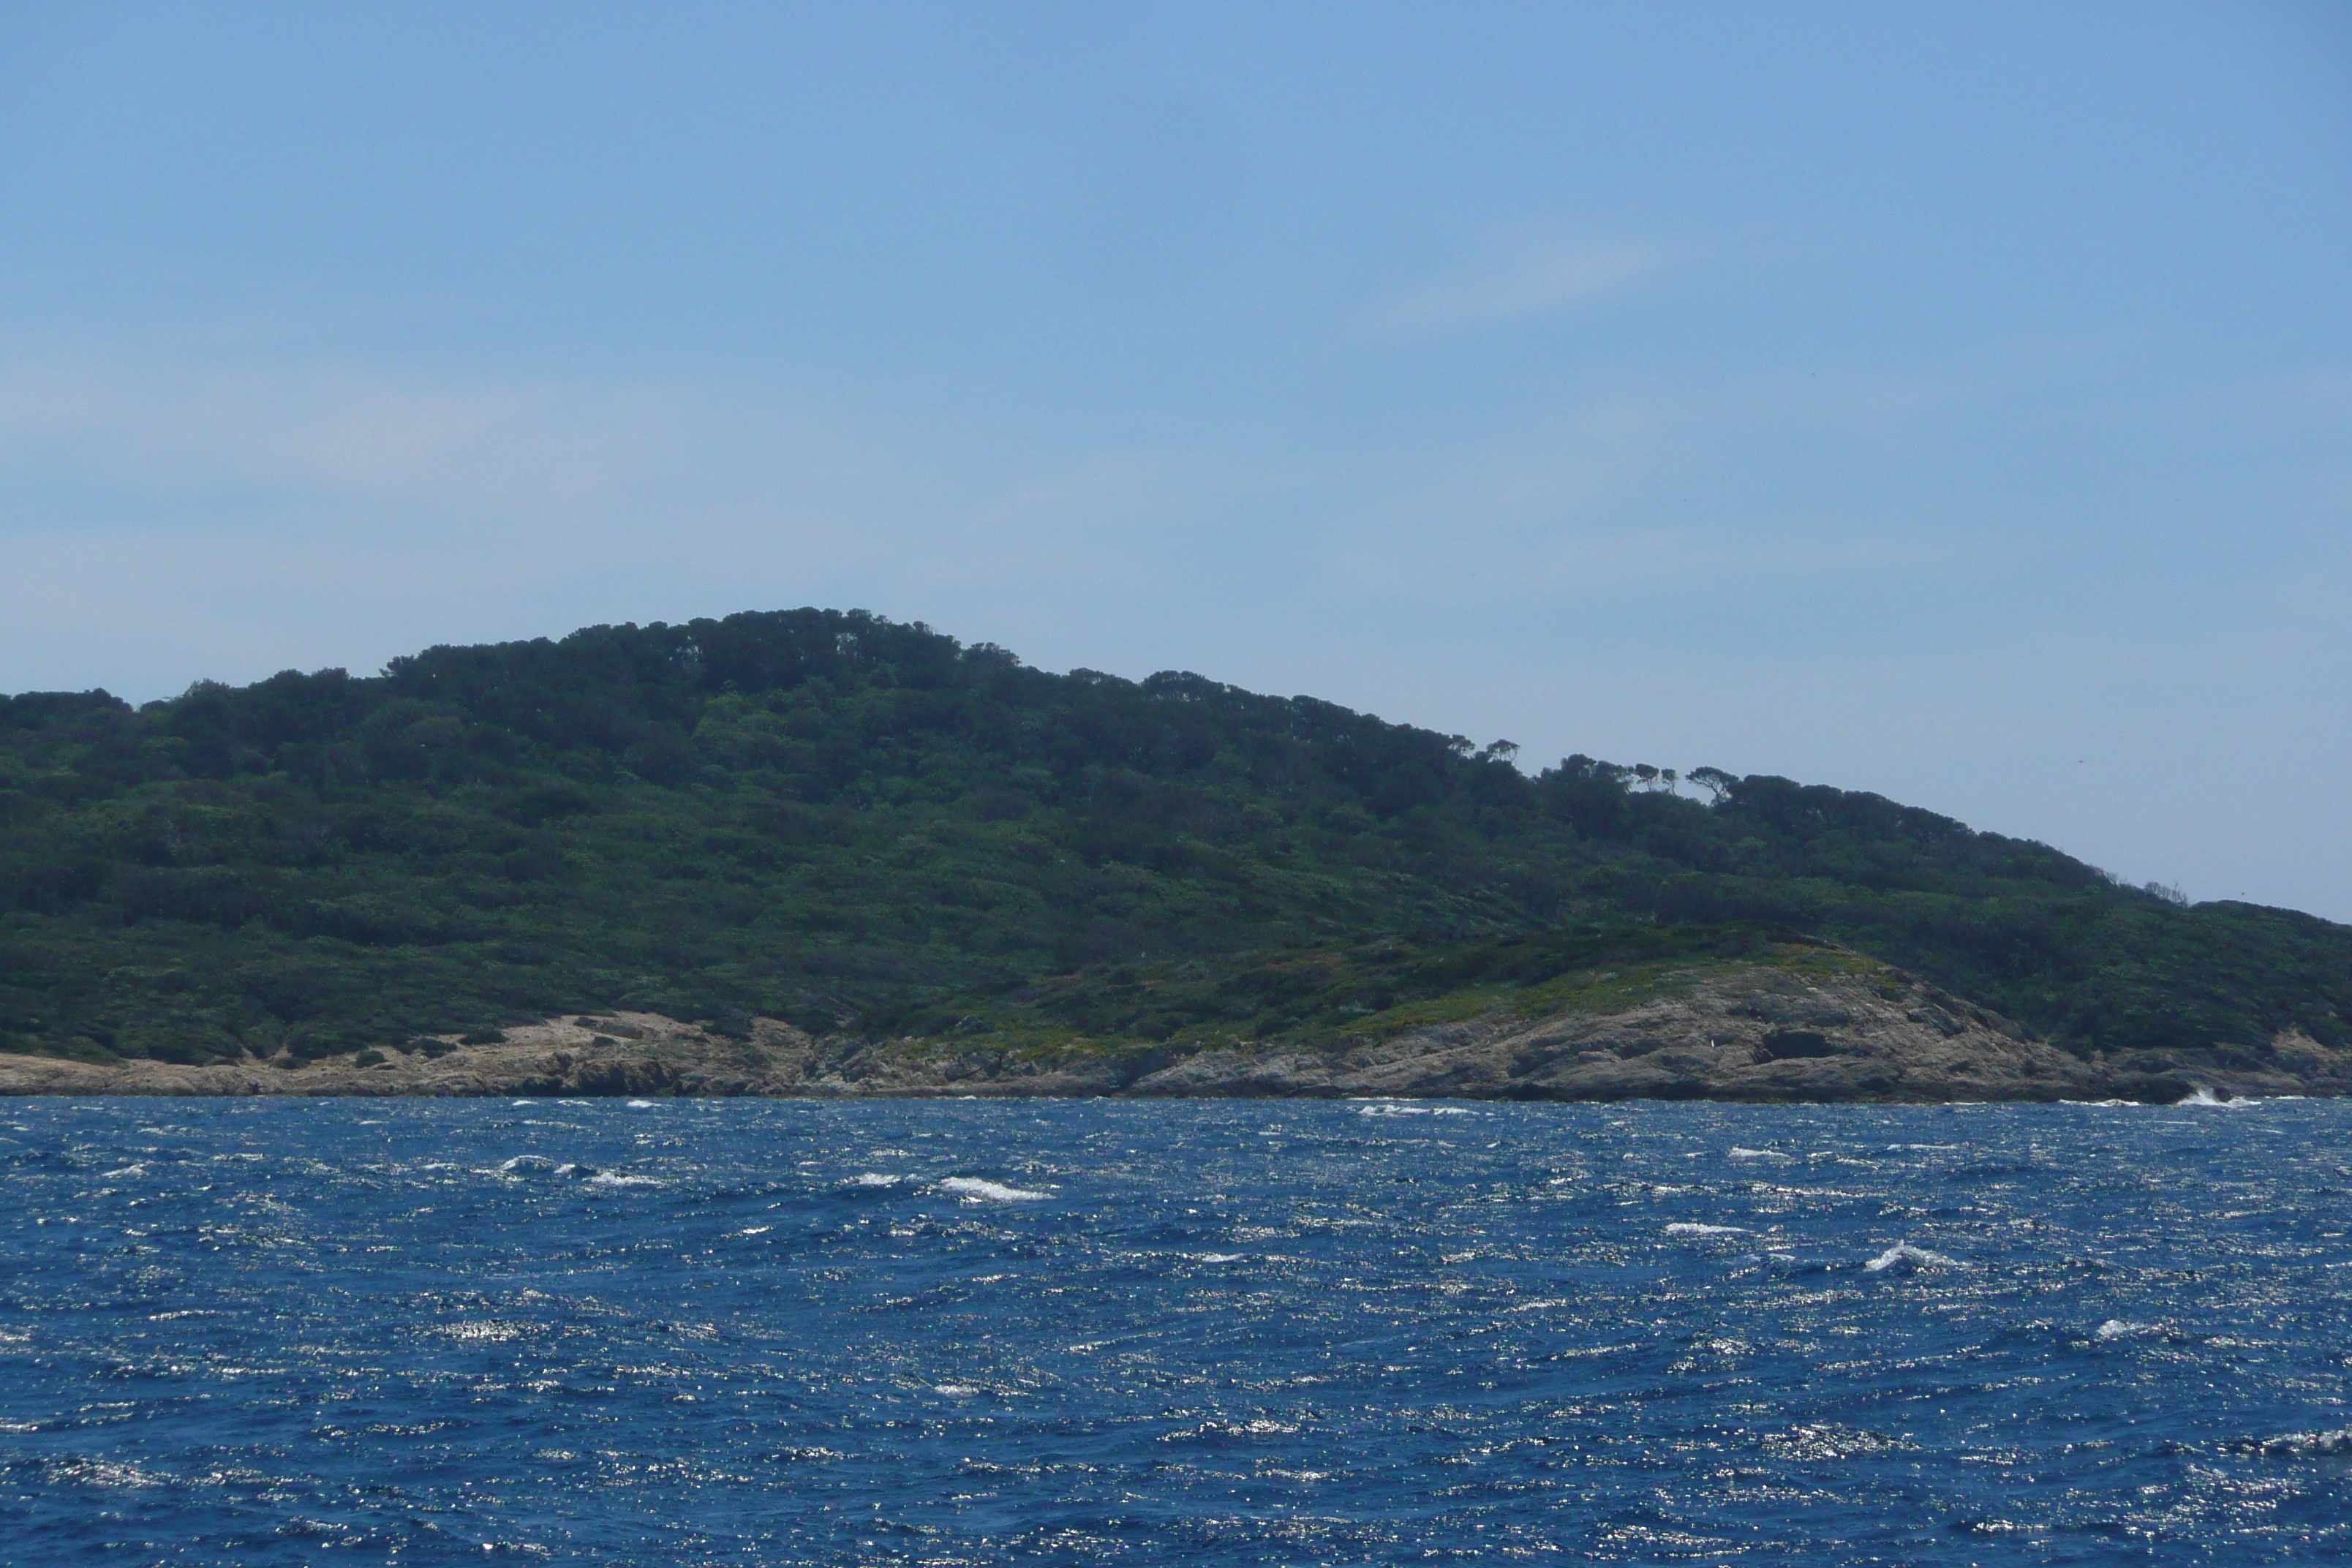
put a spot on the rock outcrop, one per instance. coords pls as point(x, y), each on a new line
point(1741, 1032)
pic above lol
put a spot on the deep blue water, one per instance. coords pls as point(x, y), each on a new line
point(1288, 1332)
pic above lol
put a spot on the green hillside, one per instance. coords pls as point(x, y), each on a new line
point(868, 827)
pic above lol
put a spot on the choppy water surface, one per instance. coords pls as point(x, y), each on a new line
point(981, 1332)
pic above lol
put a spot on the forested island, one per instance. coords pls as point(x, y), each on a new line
point(818, 851)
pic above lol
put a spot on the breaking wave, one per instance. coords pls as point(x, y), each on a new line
point(978, 1190)
point(1903, 1255)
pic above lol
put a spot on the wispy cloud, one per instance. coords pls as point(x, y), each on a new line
point(1513, 282)
point(323, 430)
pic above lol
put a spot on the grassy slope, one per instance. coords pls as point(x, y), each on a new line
point(848, 823)
point(1369, 991)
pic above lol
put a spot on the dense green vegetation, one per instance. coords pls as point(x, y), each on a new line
point(863, 825)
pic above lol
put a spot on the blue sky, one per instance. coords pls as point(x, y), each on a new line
point(1954, 402)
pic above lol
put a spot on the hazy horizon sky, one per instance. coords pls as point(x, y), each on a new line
point(1953, 402)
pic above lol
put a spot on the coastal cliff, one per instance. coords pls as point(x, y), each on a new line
point(1743, 1031)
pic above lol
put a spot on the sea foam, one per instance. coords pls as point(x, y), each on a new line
point(1902, 1254)
point(974, 1188)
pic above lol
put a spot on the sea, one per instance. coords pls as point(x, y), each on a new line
point(995, 1331)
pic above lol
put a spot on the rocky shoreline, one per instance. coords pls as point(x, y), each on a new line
point(1745, 1033)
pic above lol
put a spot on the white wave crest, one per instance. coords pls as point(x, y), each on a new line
point(955, 1390)
point(1902, 1254)
point(641, 1105)
point(609, 1179)
point(975, 1188)
point(101, 1473)
point(1738, 1153)
point(1260, 1427)
point(876, 1179)
point(1693, 1227)
point(483, 1332)
point(2296, 1445)
point(2116, 1328)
